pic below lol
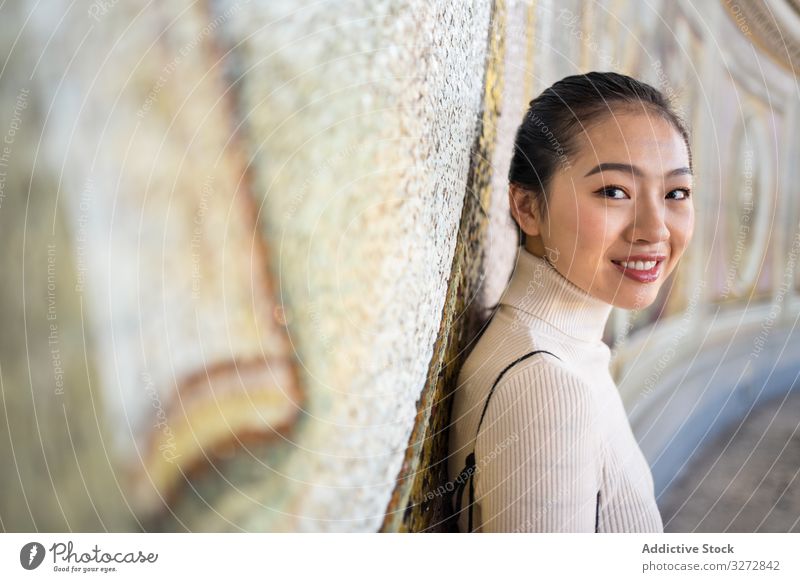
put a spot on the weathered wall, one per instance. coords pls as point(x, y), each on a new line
point(266, 234)
point(264, 203)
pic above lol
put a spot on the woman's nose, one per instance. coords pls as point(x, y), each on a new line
point(648, 223)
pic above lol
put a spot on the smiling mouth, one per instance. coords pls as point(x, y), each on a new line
point(640, 271)
point(638, 265)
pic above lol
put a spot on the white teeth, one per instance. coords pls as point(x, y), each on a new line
point(638, 265)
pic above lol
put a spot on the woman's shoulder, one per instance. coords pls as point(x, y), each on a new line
point(531, 368)
point(528, 371)
point(546, 393)
point(504, 351)
point(544, 370)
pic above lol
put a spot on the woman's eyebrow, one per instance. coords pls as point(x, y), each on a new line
point(627, 168)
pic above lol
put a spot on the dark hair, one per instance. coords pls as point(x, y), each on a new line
point(547, 134)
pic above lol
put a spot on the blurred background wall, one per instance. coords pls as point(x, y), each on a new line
point(245, 246)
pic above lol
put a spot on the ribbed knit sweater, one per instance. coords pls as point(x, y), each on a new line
point(555, 452)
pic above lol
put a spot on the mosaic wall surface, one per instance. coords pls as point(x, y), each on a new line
point(246, 245)
point(263, 203)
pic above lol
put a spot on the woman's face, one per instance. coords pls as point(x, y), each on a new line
point(625, 193)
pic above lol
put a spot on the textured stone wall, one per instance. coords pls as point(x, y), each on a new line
point(247, 245)
point(264, 202)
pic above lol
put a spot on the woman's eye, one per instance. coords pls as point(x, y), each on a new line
point(683, 194)
point(617, 193)
point(613, 192)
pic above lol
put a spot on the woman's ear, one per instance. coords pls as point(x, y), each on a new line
point(523, 209)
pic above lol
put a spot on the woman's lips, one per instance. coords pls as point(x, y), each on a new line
point(641, 276)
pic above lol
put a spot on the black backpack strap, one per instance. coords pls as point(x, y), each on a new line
point(597, 514)
point(467, 474)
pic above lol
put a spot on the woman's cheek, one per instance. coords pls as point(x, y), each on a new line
point(681, 231)
point(691, 226)
point(599, 231)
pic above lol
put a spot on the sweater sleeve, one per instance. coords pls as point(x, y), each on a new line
point(537, 454)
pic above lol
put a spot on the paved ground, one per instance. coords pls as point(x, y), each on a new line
point(753, 485)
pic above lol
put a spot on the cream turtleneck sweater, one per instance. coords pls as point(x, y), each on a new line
point(556, 452)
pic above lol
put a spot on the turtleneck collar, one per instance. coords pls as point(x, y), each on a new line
point(537, 289)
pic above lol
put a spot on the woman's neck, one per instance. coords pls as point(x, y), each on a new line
point(538, 292)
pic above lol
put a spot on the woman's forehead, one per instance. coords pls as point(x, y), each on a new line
point(649, 143)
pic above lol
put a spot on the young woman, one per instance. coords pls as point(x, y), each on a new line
point(600, 188)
